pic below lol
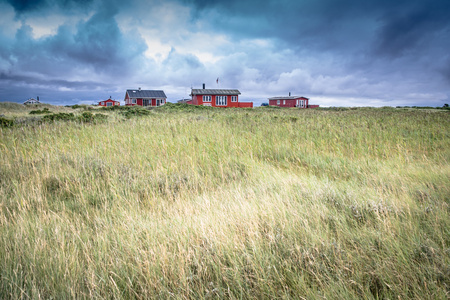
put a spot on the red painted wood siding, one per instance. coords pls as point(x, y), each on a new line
point(245, 104)
point(108, 101)
point(288, 102)
point(198, 100)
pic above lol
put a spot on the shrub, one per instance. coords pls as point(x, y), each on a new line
point(116, 107)
point(59, 117)
point(40, 112)
point(6, 122)
point(88, 117)
point(135, 111)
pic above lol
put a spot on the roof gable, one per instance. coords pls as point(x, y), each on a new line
point(146, 94)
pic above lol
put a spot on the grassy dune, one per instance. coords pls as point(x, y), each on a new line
point(191, 203)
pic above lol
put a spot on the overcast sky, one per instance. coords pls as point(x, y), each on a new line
point(335, 52)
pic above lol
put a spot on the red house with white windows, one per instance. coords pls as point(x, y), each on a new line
point(145, 97)
point(109, 102)
point(289, 101)
point(217, 98)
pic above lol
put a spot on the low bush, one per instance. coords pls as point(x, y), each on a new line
point(183, 107)
point(85, 117)
point(40, 112)
point(6, 122)
point(117, 107)
point(59, 117)
point(88, 117)
point(134, 111)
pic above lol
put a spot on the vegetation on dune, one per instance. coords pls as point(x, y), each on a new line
point(40, 111)
point(194, 202)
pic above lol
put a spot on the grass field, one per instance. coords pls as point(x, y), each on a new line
point(191, 203)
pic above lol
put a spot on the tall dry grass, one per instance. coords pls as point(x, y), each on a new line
point(211, 203)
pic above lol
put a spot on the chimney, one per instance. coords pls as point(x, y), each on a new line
point(139, 88)
point(289, 94)
point(203, 86)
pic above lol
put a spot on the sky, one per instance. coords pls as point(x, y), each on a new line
point(336, 53)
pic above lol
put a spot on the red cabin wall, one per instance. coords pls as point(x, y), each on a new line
point(198, 100)
point(288, 102)
point(245, 104)
point(109, 100)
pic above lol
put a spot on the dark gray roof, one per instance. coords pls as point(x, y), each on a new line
point(146, 94)
point(214, 92)
point(287, 98)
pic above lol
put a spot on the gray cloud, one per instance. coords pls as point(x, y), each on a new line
point(375, 50)
point(27, 6)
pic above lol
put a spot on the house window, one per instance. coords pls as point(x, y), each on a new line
point(206, 98)
point(103, 103)
point(109, 104)
point(278, 102)
point(133, 101)
point(233, 98)
point(221, 100)
point(284, 102)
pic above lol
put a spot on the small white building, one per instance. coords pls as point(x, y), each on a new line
point(32, 101)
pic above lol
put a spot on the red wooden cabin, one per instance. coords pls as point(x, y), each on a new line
point(218, 98)
point(108, 102)
point(145, 97)
point(289, 101)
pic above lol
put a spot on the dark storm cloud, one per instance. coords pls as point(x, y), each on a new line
point(379, 49)
point(94, 48)
point(24, 6)
point(412, 28)
point(97, 44)
point(18, 88)
point(51, 84)
point(378, 41)
point(391, 26)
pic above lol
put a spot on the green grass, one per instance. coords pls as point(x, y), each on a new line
point(227, 203)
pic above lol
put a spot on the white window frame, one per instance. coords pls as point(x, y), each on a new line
point(207, 98)
point(278, 102)
point(221, 100)
point(103, 103)
point(234, 98)
point(133, 101)
point(284, 102)
point(109, 104)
